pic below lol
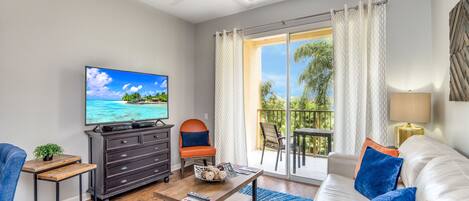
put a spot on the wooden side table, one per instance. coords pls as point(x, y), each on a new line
point(62, 167)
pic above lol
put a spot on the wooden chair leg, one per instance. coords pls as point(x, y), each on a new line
point(262, 157)
point(213, 161)
point(205, 162)
point(182, 167)
point(276, 161)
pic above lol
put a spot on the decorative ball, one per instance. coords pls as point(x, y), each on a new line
point(222, 175)
point(209, 175)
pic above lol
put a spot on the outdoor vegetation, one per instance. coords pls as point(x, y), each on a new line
point(313, 108)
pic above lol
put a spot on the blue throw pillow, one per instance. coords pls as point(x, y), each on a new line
point(192, 139)
point(378, 173)
point(405, 194)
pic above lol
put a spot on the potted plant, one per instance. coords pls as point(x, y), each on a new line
point(47, 151)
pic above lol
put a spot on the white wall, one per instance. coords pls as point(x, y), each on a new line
point(409, 48)
point(450, 117)
point(44, 46)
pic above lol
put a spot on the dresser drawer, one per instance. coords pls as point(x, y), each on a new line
point(153, 137)
point(120, 182)
point(115, 143)
point(135, 153)
point(136, 164)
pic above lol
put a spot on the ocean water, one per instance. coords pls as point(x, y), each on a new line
point(100, 111)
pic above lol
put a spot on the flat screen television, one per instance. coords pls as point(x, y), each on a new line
point(117, 96)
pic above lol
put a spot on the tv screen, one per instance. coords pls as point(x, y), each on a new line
point(114, 96)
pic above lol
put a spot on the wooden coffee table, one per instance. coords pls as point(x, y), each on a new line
point(216, 191)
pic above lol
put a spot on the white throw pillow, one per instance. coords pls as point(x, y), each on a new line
point(417, 151)
point(444, 179)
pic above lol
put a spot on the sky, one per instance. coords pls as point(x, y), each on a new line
point(274, 68)
point(107, 84)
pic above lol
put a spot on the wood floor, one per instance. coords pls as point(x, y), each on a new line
point(145, 193)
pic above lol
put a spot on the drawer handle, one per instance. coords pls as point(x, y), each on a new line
point(156, 171)
point(155, 136)
point(124, 141)
point(124, 168)
point(124, 155)
point(124, 181)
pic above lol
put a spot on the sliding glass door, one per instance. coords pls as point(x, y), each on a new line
point(310, 102)
point(288, 87)
point(265, 72)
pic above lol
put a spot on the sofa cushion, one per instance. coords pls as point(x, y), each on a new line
point(338, 188)
point(378, 173)
point(418, 151)
point(370, 143)
point(405, 194)
point(444, 179)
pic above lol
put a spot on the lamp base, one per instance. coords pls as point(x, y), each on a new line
point(405, 131)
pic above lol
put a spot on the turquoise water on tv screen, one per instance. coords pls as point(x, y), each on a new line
point(119, 96)
point(98, 111)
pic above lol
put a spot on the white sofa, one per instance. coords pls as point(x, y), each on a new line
point(438, 171)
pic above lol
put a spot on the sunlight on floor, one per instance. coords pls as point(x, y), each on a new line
point(315, 168)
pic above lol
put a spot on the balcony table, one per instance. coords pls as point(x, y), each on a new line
point(303, 132)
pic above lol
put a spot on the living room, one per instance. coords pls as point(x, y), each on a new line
point(209, 62)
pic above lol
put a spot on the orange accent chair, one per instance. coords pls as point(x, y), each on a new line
point(194, 125)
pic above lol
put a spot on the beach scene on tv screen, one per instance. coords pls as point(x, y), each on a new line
point(118, 96)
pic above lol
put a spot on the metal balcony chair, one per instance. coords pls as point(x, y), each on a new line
point(272, 138)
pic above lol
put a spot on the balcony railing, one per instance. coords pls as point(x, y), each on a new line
point(322, 119)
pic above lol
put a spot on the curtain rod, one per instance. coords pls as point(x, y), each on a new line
point(284, 22)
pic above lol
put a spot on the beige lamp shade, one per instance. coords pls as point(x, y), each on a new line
point(410, 107)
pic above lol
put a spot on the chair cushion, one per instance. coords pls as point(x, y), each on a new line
point(370, 143)
point(338, 188)
point(444, 179)
point(406, 194)
point(193, 139)
point(378, 173)
point(199, 151)
point(417, 151)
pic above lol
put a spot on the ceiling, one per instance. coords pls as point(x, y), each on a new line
point(196, 11)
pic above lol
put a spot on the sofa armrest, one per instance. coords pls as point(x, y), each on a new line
point(341, 164)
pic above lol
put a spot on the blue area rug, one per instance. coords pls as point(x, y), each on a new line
point(268, 195)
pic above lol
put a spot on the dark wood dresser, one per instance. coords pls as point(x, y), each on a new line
point(129, 159)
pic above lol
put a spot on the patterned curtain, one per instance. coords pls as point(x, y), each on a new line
point(360, 88)
point(230, 130)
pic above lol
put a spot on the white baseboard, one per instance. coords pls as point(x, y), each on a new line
point(175, 167)
point(85, 195)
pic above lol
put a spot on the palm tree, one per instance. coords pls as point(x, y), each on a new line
point(318, 75)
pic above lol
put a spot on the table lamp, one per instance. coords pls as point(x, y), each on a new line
point(410, 108)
